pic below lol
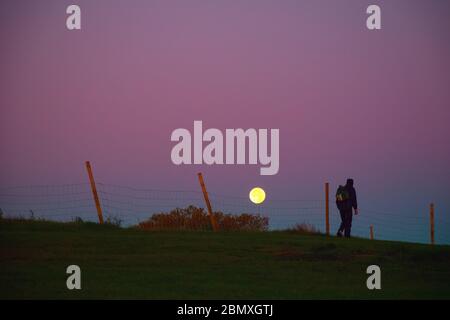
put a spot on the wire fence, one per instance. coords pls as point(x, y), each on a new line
point(134, 205)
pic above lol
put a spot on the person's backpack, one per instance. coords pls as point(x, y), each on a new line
point(342, 194)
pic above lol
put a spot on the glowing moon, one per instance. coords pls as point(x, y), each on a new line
point(257, 195)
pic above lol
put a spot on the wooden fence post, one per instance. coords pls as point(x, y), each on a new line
point(327, 208)
point(94, 192)
point(208, 204)
point(432, 223)
point(371, 232)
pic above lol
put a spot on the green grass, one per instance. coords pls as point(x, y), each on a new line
point(127, 263)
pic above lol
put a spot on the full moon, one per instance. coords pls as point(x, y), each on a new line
point(257, 195)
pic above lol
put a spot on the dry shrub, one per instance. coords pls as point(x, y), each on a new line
point(193, 218)
point(304, 228)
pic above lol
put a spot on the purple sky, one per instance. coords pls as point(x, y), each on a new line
point(373, 105)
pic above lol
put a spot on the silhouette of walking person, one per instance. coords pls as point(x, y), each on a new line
point(346, 202)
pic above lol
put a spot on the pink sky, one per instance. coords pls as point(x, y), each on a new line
point(348, 102)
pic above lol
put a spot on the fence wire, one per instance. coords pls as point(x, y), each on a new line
point(131, 206)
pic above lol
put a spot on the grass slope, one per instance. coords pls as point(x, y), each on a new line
point(126, 263)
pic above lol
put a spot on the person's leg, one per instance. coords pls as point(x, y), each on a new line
point(348, 223)
point(342, 226)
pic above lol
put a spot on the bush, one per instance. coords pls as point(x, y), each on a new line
point(77, 220)
point(193, 218)
point(114, 221)
point(304, 228)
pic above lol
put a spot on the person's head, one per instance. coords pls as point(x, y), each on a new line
point(349, 182)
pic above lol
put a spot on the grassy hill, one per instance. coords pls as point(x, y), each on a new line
point(128, 263)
